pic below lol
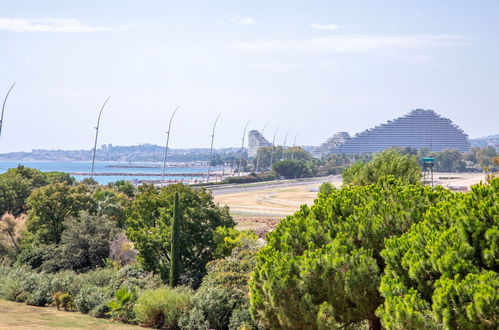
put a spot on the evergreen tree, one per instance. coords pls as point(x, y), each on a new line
point(444, 272)
point(175, 243)
point(322, 266)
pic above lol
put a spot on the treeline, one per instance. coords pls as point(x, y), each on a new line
point(384, 251)
point(109, 251)
point(297, 163)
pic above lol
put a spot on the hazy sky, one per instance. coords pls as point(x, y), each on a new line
point(313, 67)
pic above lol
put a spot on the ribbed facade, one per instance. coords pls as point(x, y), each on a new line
point(255, 141)
point(331, 144)
point(418, 129)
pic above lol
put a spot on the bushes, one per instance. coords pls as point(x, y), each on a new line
point(163, 307)
point(253, 177)
point(91, 297)
point(121, 307)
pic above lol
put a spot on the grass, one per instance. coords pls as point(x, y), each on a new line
point(20, 316)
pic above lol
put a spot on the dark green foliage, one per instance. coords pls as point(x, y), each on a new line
point(444, 271)
point(149, 227)
point(85, 243)
point(176, 242)
point(51, 205)
point(253, 177)
point(91, 297)
point(222, 300)
point(389, 162)
point(162, 307)
point(291, 169)
point(323, 264)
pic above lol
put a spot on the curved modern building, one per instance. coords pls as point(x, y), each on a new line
point(418, 129)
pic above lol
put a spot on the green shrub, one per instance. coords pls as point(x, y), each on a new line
point(66, 281)
point(91, 296)
point(63, 300)
point(163, 307)
point(121, 307)
point(222, 300)
point(101, 310)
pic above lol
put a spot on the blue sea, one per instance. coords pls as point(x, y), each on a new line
point(102, 167)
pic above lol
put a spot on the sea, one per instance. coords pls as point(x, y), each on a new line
point(109, 167)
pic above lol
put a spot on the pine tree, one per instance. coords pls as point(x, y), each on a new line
point(175, 243)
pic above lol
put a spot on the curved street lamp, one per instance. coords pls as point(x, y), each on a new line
point(96, 136)
point(242, 147)
point(167, 142)
point(257, 154)
point(273, 144)
point(294, 145)
point(284, 146)
point(211, 147)
point(3, 106)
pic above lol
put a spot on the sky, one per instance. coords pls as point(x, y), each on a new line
point(309, 68)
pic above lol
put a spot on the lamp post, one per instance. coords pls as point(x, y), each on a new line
point(284, 146)
point(273, 144)
point(211, 148)
point(96, 136)
point(3, 107)
point(294, 145)
point(167, 141)
point(242, 147)
point(257, 154)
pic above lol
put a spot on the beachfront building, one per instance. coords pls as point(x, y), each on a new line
point(418, 129)
point(256, 141)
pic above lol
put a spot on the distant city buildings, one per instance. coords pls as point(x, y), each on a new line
point(256, 141)
point(418, 129)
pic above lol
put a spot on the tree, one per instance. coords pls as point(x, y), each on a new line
point(112, 204)
point(85, 243)
point(150, 218)
point(389, 162)
point(443, 273)
point(291, 169)
point(323, 264)
point(175, 243)
point(51, 205)
point(449, 161)
point(11, 229)
point(297, 153)
point(16, 185)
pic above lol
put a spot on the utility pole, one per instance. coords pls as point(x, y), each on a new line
point(273, 144)
point(168, 141)
point(96, 135)
point(294, 145)
point(242, 147)
point(284, 146)
point(3, 107)
point(257, 154)
point(211, 148)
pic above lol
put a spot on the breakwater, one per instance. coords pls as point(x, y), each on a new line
point(189, 174)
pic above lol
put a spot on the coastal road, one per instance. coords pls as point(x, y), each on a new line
point(240, 188)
